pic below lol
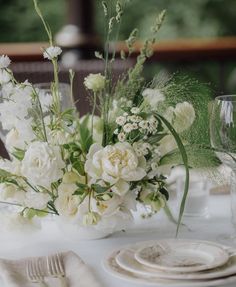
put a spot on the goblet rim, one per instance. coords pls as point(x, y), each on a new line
point(46, 85)
point(226, 98)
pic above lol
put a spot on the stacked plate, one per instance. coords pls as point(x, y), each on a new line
point(175, 263)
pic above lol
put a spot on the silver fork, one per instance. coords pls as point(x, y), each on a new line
point(56, 268)
point(34, 272)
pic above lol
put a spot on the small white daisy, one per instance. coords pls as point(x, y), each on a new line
point(120, 121)
point(52, 52)
point(121, 137)
point(4, 61)
point(135, 110)
point(128, 128)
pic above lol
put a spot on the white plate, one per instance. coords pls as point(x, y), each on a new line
point(125, 258)
point(178, 255)
point(111, 266)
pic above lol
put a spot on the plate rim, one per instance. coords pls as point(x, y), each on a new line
point(168, 275)
point(220, 262)
point(139, 280)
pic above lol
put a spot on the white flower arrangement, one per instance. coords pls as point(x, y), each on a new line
point(95, 169)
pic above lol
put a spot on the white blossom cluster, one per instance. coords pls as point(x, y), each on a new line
point(134, 122)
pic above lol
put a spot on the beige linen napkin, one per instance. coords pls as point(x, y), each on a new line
point(78, 274)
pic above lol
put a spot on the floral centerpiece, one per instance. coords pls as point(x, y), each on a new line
point(94, 170)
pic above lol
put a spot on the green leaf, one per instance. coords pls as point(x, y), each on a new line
point(68, 115)
point(86, 138)
point(82, 188)
point(7, 177)
point(78, 165)
point(198, 157)
point(4, 173)
point(18, 153)
point(100, 189)
point(164, 192)
point(185, 162)
point(156, 138)
point(30, 213)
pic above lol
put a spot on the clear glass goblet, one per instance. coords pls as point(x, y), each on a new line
point(223, 140)
point(64, 93)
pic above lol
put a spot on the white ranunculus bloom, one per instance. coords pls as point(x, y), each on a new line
point(67, 203)
point(4, 77)
point(184, 116)
point(117, 165)
point(91, 218)
point(153, 97)
point(37, 200)
point(52, 52)
point(59, 137)
point(42, 164)
point(20, 136)
point(72, 177)
point(4, 61)
point(95, 82)
point(167, 144)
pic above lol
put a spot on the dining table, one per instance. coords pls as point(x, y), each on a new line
point(214, 227)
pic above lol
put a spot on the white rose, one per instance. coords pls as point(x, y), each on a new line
point(117, 165)
point(95, 82)
point(52, 52)
point(184, 116)
point(42, 164)
point(153, 97)
point(4, 61)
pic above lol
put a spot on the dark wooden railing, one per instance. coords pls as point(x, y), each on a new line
point(219, 49)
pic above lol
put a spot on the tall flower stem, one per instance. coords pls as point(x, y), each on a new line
point(93, 111)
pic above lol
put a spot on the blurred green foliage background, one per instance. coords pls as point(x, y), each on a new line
point(185, 18)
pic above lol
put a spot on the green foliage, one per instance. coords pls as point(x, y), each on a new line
point(18, 22)
point(198, 157)
point(18, 153)
point(30, 213)
point(86, 138)
point(186, 19)
point(100, 189)
point(7, 177)
point(186, 165)
point(75, 151)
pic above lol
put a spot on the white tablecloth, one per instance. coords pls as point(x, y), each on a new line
point(92, 252)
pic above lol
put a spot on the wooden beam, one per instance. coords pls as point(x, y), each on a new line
point(23, 52)
point(178, 50)
point(190, 49)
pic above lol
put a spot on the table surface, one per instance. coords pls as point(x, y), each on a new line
point(93, 252)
